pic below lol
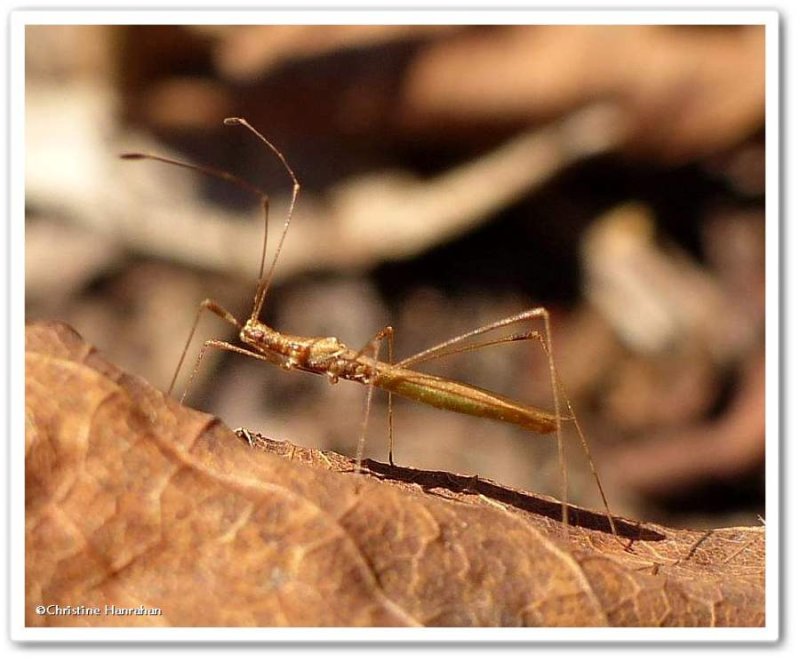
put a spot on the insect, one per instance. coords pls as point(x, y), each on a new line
point(330, 357)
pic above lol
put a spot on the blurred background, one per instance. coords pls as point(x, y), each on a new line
point(452, 175)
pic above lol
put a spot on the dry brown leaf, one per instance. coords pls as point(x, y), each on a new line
point(133, 500)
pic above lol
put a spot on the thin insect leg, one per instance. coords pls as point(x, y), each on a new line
point(388, 333)
point(219, 344)
point(449, 349)
point(534, 313)
point(506, 321)
point(588, 454)
point(562, 460)
point(390, 338)
point(471, 347)
point(375, 345)
point(219, 311)
point(584, 445)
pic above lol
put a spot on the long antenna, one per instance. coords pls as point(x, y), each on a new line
point(206, 170)
point(264, 282)
point(219, 174)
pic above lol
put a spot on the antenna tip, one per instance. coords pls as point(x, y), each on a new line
point(230, 121)
point(132, 155)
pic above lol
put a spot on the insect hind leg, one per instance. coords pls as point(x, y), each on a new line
point(581, 436)
point(459, 344)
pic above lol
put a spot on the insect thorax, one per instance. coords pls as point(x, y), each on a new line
point(318, 354)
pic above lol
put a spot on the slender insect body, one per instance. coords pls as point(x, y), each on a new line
point(330, 357)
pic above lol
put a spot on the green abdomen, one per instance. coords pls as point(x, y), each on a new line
point(465, 399)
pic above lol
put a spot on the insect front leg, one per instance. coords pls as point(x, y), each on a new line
point(219, 344)
point(219, 311)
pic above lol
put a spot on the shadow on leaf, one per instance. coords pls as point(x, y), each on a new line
point(430, 480)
